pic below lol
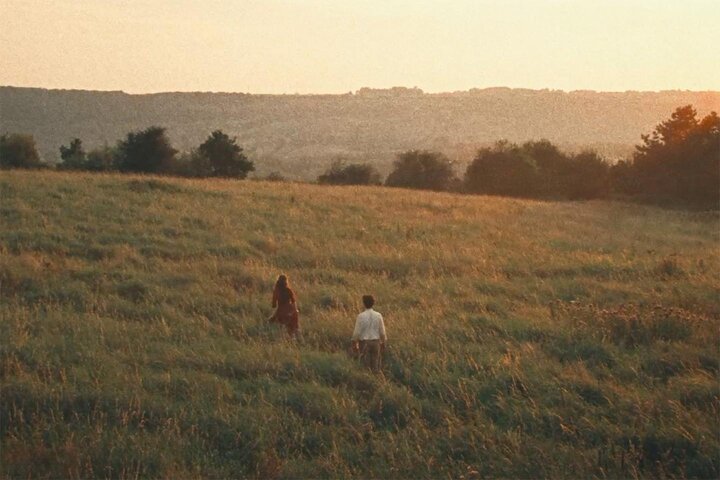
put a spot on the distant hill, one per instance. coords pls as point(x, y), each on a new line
point(298, 135)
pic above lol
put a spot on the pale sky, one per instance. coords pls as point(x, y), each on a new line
point(336, 46)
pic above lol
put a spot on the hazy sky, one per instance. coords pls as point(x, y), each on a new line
point(335, 46)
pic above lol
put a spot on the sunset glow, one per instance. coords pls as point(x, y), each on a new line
point(325, 46)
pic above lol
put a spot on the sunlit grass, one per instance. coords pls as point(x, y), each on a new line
point(527, 339)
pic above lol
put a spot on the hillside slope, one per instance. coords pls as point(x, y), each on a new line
point(298, 135)
point(527, 339)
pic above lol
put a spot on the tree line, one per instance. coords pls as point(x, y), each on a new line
point(678, 162)
point(142, 151)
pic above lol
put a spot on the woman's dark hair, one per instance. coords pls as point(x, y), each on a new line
point(282, 282)
point(368, 301)
point(283, 288)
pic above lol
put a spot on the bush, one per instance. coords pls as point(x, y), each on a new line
point(623, 179)
point(190, 164)
point(73, 157)
point(552, 167)
point(18, 151)
point(588, 176)
point(537, 169)
point(422, 169)
point(224, 156)
point(504, 169)
point(354, 174)
point(101, 159)
point(146, 151)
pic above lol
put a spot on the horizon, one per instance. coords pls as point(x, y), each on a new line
point(320, 47)
point(357, 92)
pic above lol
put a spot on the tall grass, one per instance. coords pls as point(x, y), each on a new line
point(527, 339)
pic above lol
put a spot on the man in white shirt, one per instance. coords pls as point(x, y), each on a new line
point(369, 335)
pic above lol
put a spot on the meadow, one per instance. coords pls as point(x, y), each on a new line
point(526, 339)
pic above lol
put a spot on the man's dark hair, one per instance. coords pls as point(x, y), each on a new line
point(368, 301)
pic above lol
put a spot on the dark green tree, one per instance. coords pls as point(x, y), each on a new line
point(422, 169)
point(537, 169)
point(225, 156)
point(587, 176)
point(147, 151)
point(680, 159)
point(341, 173)
point(18, 151)
point(623, 178)
point(73, 157)
point(504, 169)
point(553, 168)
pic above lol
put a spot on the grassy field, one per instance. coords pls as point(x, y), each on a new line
point(526, 339)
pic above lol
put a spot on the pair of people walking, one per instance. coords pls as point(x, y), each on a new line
point(368, 338)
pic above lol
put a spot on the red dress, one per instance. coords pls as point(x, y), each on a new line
point(286, 311)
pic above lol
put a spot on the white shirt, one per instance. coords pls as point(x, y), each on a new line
point(369, 326)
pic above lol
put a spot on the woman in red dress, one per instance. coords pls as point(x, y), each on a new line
point(285, 305)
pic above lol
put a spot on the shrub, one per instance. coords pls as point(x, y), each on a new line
point(224, 156)
point(552, 164)
point(190, 164)
point(537, 169)
point(588, 176)
point(422, 169)
point(18, 151)
point(73, 157)
point(102, 159)
point(504, 169)
point(354, 174)
point(622, 178)
point(147, 151)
